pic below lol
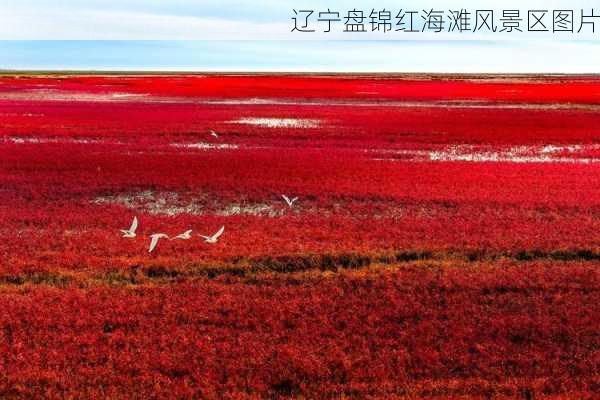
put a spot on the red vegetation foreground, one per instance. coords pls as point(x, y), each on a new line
point(418, 331)
point(445, 243)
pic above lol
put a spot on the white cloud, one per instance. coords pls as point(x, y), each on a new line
point(124, 25)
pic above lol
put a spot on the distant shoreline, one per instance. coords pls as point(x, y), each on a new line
point(382, 75)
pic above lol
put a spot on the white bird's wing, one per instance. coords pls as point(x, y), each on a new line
point(153, 242)
point(134, 225)
point(205, 237)
point(287, 199)
point(294, 199)
point(184, 235)
point(219, 233)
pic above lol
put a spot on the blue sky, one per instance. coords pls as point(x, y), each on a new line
point(319, 56)
point(236, 35)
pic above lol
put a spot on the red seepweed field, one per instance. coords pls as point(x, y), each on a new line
point(445, 242)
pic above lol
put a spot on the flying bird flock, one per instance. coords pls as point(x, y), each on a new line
point(156, 237)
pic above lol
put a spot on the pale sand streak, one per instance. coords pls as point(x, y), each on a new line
point(278, 122)
point(515, 154)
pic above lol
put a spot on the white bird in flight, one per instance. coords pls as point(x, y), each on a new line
point(290, 202)
point(184, 236)
point(154, 240)
point(130, 233)
point(214, 134)
point(215, 237)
